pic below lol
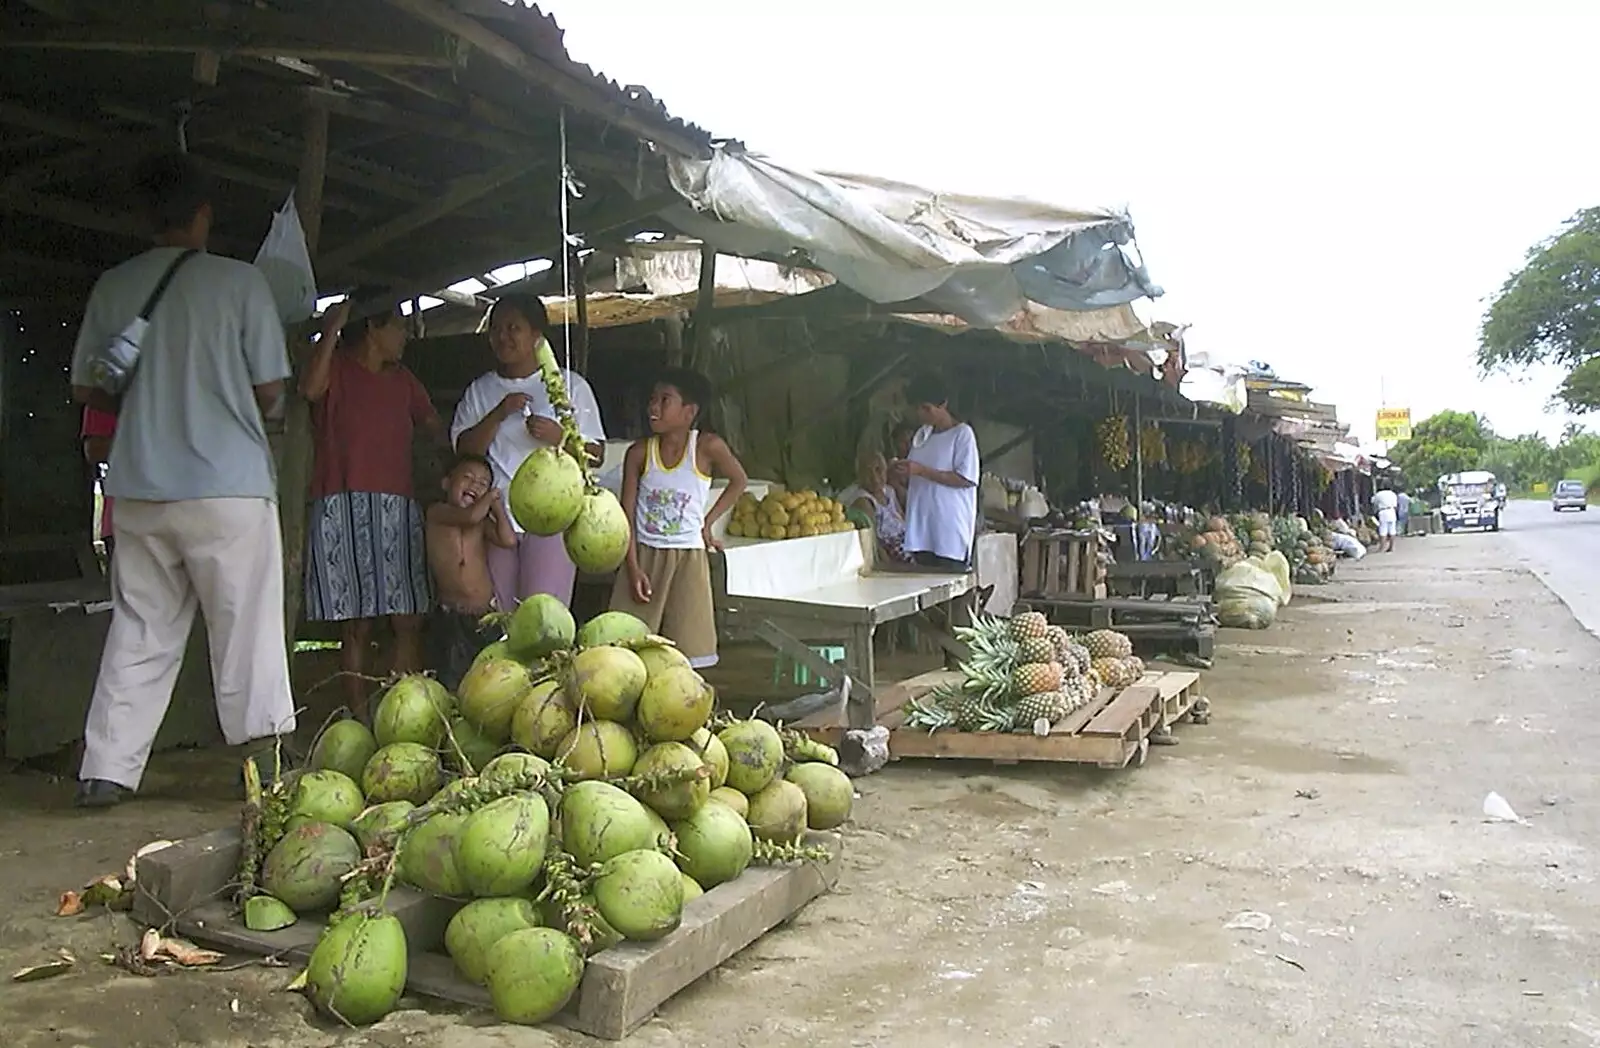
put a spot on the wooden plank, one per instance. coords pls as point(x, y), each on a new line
point(1124, 712)
point(802, 653)
point(188, 875)
point(1074, 721)
point(1001, 746)
point(623, 986)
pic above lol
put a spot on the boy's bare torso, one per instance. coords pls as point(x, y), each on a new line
point(459, 557)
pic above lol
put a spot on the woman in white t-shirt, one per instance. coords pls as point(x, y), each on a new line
point(941, 474)
point(505, 415)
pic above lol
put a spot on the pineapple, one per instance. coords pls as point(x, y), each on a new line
point(1108, 644)
point(1031, 678)
point(1080, 657)
point(1045, 705)
point(1135, 667)
point(931, 712)
point(1030, 625)
point(1111, 672)
point(1036, 649)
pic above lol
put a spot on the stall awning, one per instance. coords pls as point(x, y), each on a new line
point(978, 258)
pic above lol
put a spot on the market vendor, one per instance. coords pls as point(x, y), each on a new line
point(365, 555)
point(879, 501)
point(941, 472)
point(505, 415)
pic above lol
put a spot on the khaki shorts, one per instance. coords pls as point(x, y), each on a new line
point(680, 607)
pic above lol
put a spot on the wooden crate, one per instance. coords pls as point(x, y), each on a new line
point(1112, 731)
point(1061, 564)
point(186, 888)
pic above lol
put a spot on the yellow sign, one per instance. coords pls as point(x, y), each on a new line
point(1394, 424)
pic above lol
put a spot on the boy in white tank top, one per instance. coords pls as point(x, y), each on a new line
point(666, 492)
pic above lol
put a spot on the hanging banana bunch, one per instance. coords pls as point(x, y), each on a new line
point(1323, 477)
point(1112, 436)
point(1190, 456)
point(1153, 445)
point(1243, 457)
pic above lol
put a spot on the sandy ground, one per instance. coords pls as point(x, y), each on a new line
point(1337, 793)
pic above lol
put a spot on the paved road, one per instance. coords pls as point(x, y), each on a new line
point(1563, 549)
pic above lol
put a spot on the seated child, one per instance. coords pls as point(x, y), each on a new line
point(666, 492)
point(472, 514)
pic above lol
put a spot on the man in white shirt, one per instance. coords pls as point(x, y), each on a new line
point(1385, 503)
point(196, 491)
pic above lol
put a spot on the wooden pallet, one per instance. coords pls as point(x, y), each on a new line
point(1062, 564)
point(1113, 731)
point(185, 887)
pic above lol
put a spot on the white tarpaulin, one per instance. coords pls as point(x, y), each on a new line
point(979, 258)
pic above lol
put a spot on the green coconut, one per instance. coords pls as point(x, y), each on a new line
point(532, 974)
point(357, 970)
point(600, 821)
point(304, 870)
point(490, 694)
point(715, 845)
point(543, 718)
point(327, 796)
point(546, 493)
point(612, 627)
point(509, 768)
point(607, 682)
point(601, 935)
point(691, 889)
point(402, 771)
point(473, 745)
point(829, 793)
point(685, 798)
point(379, 823)
point(263, 913)
point(713, 752)
point(597, 541)
point(660, 658)
point(540, 626)
point(346, 746)
point(598, 749)
point(778, 811)
point(755, 751)
point(674, 705)
point(415, 709)
point(502, 845)
point(499, 649)
point(729, 797)
point(479, 925)
point(662, 837)
point(428, 858)
point(640, 894)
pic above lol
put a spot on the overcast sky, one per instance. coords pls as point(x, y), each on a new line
point(1335, 195)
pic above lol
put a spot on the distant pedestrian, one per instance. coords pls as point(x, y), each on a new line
point(1403, 513)
point(197, 515)
point(1385, 504)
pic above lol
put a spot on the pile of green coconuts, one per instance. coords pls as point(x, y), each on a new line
point(577, 791)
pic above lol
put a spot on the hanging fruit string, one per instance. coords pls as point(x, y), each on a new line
point(776, 853)
point(262, 822)
point(564, 883)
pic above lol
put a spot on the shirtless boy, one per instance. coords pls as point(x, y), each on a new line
point(460, 528)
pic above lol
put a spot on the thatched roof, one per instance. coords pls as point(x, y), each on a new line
point(443, 133)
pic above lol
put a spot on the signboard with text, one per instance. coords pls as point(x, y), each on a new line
point(1394, 424)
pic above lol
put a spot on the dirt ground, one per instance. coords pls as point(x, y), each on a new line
point(1337, 793)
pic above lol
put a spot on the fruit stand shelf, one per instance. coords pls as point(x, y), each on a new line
point(185, 888)
point(1112, 731)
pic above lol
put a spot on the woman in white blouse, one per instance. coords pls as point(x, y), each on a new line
point(941, 474)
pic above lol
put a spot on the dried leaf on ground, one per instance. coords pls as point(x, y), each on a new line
point(33, 973)
point(150, 946)
point(69, 905)
point(188, 954)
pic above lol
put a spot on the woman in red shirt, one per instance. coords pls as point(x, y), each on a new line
point(365, 556)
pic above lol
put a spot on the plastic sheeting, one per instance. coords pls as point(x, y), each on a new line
point(978, 258)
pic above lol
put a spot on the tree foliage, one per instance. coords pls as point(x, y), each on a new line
point(1549, 312)
point(1452, 441)
point(1448, 442)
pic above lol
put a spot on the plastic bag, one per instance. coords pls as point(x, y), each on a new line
point(1248, 597)
point(1277, 565)
point(286, 262)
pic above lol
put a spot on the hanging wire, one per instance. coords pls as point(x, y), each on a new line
point(571, 189)
point(184, 110)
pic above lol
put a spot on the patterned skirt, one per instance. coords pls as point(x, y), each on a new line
point(365, 557)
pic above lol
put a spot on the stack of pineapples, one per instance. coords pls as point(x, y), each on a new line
point(1025, 674)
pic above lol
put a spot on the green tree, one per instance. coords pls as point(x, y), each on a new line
point(1549, 312)
point(1448, 442)
point(1521, 462)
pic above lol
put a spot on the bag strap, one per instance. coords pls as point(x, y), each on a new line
point(161, 288)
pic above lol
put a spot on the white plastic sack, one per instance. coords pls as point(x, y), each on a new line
point(286, 262)
point(1247, 597)
point(1277, 565)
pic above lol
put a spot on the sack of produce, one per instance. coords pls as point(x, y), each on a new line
point(1248, 596)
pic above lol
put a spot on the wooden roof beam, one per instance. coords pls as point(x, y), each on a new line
point(586, 97)
point(455, 196)
point(162, 40)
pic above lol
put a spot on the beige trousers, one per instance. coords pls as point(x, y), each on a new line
point(224, 556)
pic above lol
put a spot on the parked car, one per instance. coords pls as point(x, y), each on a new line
point(1569, 494)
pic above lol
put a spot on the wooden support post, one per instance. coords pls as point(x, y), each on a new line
point(1138, 453)
point(705, 301)
point(673, 327)
point(294, 468)
point(580, 298)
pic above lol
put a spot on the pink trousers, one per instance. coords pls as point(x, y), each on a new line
point(537, 564)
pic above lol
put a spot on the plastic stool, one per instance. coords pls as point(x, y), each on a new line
point(800, 672)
